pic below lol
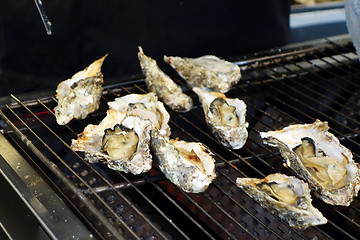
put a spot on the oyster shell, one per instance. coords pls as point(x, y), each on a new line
point(225, 117)
point(163, 86)
point(188, 165)
point(287, 197)
point(206, 72)
point(120, 140)
point(317, 156)
point(79, 95)
point(146, 106)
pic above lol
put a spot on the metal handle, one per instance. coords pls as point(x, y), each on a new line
point(43, 16)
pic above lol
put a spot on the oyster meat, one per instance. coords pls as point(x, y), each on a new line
point(120, 140)
point(317, 156)
point(207, 71)
point(225, 117)
point(145, 106)
point(163, 86)
point(188, 165)
point(287, 197)
point(79, 95)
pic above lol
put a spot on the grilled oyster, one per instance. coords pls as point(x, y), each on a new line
point(147, 107)
point(188, 165)
point(163, 86)
point(317, 156)
point(206, 72)
point(79, 95)
point(287, 197)
point(225, 117)
point(120, 140)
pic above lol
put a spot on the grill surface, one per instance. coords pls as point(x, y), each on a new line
point(280, 87)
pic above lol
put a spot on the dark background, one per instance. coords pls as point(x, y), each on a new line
point(83, 31)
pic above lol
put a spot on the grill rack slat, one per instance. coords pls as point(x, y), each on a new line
point(253, 160)
point(88, 187)
point(111, 186)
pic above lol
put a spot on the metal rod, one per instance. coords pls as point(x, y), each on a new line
point(307, 106)
point(58, 172)
point(110, 186)
point(44, 17)
point(263, 73)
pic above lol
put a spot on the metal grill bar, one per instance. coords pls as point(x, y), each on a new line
point(317, 111)
point(88, 187)
point(178, 126)
point(347, 217)
point(190, 199)
point(219, 188)
point(129, 182)
point(56, 171)
point(239, 171)
point(110, 186)
point(223, 211)
point(311, 118)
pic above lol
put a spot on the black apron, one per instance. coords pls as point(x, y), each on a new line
point(85, 30)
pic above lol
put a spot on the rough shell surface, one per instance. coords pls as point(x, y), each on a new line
point(79, 95)
point(145, 106)
point(188, 165)
point(163, 86)
point(233, 137)
point(299, 215)
point(287, 139)
point(206, 72)
point(90, 142)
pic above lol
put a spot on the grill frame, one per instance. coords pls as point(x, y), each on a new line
point(211, 216)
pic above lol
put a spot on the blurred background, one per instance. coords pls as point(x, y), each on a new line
point(82, 31)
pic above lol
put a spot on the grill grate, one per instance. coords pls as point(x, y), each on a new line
point(280, 87)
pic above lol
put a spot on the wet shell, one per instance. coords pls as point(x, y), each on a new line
point(163, 86)
point(206, 72)
point(95, 141)
point(287, 197)
point(225, 117)
point(79, 95)
point(188, 165)
point(317, 156)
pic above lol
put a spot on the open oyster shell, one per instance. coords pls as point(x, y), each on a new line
point(163, 86)
point(145, 106)
point(225, 117)
point(317, 156)
point(206, 72)
point(79, 95)
point(287, 197)
point(188, 165)
point(120, 140)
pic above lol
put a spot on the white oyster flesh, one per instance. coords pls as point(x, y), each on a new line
point(79, 95)
point(145, 106)
point(121, 141)
point(225, 117)
point(207, 71)
point(188, 165)
point(287, 197)
point(163, 86)
point(317, 156)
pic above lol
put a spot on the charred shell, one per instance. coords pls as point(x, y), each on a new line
point(287, 197)
point(123, 146)
point(163, 86)
point(225, 117)
point(188, 165)
point(79, 95)
point(317, 156)
point(207, 71)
